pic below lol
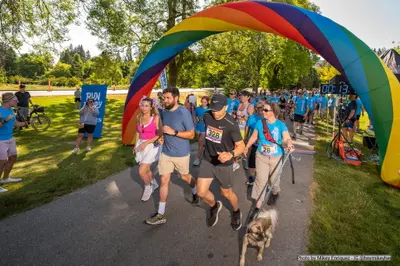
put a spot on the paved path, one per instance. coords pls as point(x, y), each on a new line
point(102, 224)
point(109, 91)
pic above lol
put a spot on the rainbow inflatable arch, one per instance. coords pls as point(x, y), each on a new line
point(378, 88)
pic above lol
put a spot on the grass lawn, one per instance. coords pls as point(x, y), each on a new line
point(29, 87)
point(354, 211)
point(45, 162)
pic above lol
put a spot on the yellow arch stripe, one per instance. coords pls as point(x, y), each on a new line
point(202, 23)
point(390, 167)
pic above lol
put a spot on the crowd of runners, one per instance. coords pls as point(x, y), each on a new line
point(244, 126)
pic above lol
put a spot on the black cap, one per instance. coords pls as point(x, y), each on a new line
point(218, 102)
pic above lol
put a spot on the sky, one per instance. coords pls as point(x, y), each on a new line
point(377, 23)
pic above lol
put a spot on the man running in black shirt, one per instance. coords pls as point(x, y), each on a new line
point(223, 143)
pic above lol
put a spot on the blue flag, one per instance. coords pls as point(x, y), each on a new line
point(163, 79)
point(99, 94)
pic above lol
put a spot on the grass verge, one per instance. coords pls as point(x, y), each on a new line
point(354, 211)
point(45, 162)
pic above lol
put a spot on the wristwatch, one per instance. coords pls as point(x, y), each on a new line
point(176, 132)
point(233, 154)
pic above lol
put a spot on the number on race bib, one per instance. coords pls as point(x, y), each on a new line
point(214, 134)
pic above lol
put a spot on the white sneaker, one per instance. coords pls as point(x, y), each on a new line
point(76, 150)
point(10, 180)
point(88, 148)
point(148, 190)
point(235, 166)
point(154, 184)
point(196, 162)
point(2, 190)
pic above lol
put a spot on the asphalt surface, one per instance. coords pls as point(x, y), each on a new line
point(103, 224)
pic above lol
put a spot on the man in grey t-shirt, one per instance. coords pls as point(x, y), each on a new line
point(178, 129)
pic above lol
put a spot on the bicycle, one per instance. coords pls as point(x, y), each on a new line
point(37, 118)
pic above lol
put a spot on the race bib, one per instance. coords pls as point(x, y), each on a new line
point(269, 150)
point(242, 124)
point(214, 134)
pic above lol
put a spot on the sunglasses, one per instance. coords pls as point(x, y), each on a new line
point(267, 110)
point(259, 107)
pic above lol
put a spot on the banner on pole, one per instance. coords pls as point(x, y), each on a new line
point(163, 79)
point(99, 94)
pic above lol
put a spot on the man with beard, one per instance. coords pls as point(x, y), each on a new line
point(223, 143)
point(178, 129)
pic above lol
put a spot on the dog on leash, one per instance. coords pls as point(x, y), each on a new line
point(259, 233)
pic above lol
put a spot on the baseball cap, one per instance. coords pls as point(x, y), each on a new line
point(218, 102)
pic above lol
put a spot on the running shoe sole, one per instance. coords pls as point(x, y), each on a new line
point(241, 223)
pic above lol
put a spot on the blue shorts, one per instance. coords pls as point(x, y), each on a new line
point(200, 127)
point(350, 124)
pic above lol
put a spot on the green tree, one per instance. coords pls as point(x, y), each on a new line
point(8, 59)
point(44, 20)
point(138, 24)
point(34, 65)
point(77, 66)
point(105, 69)
point(60, 70)
point(326, 72)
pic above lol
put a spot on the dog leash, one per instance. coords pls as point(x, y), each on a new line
point(285, 158)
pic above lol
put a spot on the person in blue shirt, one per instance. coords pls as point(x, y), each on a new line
point(359, 111)
point(198, 115)
point(323, 103)
point(178, 129)
point(233, 103)
point(331, 105)
point(311, 107)
point(8, 147)
point(269, 153)
point(251, 124)
point(300, 113)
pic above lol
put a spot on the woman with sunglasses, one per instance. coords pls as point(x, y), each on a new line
point(269, 153)
point(87, 124)
point(251, 124)
point(147, 148)
point(198, 115)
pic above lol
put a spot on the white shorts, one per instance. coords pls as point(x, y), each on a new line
point(7, 148)
point(149, 155)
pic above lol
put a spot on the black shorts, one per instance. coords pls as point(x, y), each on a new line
point(299, 118)
point(310, 113)
point(87, 129)
point(317, 107)
point(223, 174)
point(357, 117)
point(77, 100)
point(252, 157)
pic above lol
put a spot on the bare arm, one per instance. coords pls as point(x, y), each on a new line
point(252, 139)
point(287, 139)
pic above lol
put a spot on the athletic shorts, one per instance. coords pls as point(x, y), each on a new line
point(252, 157)
point(87, 129)
point(77, 100)
point(310, 113)
point(7, 148)
point(317, 107)
point(299, 118)
point(357, 117)
point(350, 124)
point(223, 174)
point(167, 164)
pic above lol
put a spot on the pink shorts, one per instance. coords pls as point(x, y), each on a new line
point(7, 148)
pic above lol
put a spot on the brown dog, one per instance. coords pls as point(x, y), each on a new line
point(259, 233)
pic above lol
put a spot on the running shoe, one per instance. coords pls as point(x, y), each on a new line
point(213, 214)
point(156, 219)
point(2, 190)
point(10, 180)
point(76, 150)
point(236, 220)
point(148, 190)
point(272, 199)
